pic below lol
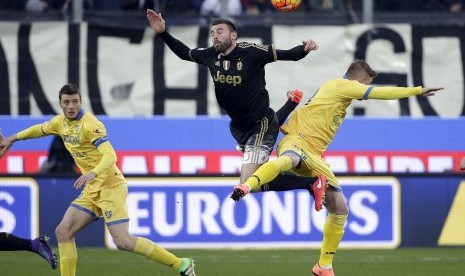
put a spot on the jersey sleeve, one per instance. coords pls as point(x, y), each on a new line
point(261, 54)
point(39, 130)
point(296, 53)
point(354, 90)
point(200, 55)
point(393, 92)
point(108, 159)
point(95, 131)
point(51, 127)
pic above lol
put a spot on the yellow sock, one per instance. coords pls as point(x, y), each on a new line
point(332, 236)
point(269, 171)
point(68, 258)
point(154, 252)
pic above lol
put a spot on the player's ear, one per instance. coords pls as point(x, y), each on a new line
point(234, 35)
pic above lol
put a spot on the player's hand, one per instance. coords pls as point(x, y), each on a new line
point(84, 179)
point(425, 91)
point(310, 45)
point(5, 144)
point(462, 164)
point(156, 21)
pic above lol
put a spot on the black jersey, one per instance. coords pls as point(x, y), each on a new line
point(239, 79)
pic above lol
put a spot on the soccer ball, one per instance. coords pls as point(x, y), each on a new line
point(286, 5)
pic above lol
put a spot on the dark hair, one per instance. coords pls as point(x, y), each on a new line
point(69, 89)
point(231, 25)
point(358, 66)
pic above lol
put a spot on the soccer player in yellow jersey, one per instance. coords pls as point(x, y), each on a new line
point(104, 187)
point(308, 133)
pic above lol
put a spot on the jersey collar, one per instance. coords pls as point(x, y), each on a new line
point(80, 114)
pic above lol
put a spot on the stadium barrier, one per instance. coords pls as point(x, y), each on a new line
point(387, 211)
point(203, 145)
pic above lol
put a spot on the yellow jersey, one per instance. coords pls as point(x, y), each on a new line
point(86, 139)
point(318, 121)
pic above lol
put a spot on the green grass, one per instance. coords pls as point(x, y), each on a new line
point(102, 262)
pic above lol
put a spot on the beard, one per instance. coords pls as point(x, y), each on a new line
point(222, 46)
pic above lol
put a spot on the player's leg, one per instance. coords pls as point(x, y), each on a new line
point(117, 222)
point(145, 247)
point(258, 143)
point(288, 182)
point(268, 171)
point(76, 217)
point(293, 99)
point(333, 231)
point(10, 242)
point(39, 245)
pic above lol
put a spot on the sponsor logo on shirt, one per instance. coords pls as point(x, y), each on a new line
point(228, 79)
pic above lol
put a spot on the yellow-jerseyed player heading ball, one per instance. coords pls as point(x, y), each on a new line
point(286, 5)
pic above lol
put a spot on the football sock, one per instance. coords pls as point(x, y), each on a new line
point(68, 258)
point(269, 171)
point(285, 110)
point(332, 236)
point(154, 252)
point(9, 242)
point(287, 182)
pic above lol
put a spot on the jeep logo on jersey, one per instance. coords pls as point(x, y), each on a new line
point(234, 80)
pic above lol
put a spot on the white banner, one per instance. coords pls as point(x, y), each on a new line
point(129, 72)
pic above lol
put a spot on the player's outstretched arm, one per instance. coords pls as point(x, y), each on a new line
point(425, 91)
point(156, 21)
point(298, 52)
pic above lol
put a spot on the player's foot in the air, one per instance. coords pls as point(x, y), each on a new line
point(295, 95)
point(239, 192)
point(40, 246)
point(318, 191)
point(187, 267)
point(318, 271)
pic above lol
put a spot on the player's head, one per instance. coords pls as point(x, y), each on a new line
point(224, 35)
point(70, 100)
point(361, 71)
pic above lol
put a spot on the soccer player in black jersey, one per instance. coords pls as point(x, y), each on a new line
point(238, 72)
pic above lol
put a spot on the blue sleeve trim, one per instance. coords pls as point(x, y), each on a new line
point(116, 222)
point(99, 141)
point(365, 97)
point(94, 216)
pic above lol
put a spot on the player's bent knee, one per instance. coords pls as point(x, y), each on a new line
point(252, 156)
point(62, 233)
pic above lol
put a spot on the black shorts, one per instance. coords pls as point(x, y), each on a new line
point(258, 139)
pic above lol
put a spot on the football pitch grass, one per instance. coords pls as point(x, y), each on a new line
point(348, 262)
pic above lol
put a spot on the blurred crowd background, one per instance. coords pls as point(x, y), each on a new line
point(235, 7)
